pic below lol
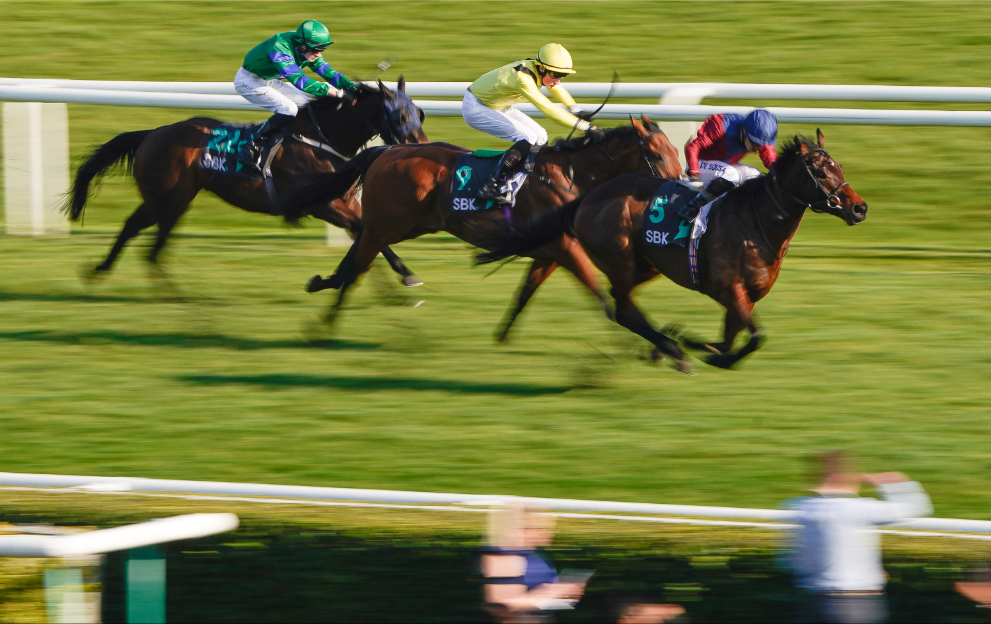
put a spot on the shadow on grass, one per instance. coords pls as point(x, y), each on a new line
point(58, 297)
point(376, 383)
point(184, 341)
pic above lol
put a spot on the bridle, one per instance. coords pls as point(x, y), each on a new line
point(827, 203)
point(643, 152)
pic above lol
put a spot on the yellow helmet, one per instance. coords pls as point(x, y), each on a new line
point(555, 58)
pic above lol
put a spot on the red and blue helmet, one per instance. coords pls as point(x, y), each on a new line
point(761, 127)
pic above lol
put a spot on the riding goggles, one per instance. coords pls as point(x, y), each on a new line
point(557, 75)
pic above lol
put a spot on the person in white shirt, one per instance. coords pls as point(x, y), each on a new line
point(837, 551)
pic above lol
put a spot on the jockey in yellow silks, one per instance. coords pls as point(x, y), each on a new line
point(488, 105)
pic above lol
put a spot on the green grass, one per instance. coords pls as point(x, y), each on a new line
point(877, 334)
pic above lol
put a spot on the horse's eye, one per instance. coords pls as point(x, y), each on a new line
point(403, 116)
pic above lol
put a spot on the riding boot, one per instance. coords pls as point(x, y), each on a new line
point(270, 128)
point(691, 210)
point(507, 166)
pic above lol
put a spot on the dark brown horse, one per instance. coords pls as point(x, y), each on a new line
point(739, 256)
point(407, 193)
point(165, 165)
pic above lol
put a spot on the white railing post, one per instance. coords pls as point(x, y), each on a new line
point(36, 167)
point(680, 132)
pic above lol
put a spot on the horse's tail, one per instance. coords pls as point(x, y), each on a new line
point(320, 188)
point(517, 241)
point(119, 150)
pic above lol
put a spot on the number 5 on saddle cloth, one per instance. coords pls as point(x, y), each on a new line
point(661, 223)
point(473, 169)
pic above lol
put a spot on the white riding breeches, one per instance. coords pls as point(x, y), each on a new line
point(737, 174)
point(508, 123)
point(273, 95)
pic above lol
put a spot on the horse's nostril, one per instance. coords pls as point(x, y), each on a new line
point(860, 210)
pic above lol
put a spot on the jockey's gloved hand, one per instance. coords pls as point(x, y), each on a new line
point(348, 96)
point(584, 115)
point(695, 179)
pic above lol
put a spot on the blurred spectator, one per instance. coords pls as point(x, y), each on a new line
point(837, 554)
point(521, 586)
point(642, 612)
point(978, 589)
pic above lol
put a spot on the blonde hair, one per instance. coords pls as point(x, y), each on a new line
point(509, 521)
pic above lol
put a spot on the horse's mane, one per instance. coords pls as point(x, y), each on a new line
point(787, 155)
point(592, 137)
point(330, 102)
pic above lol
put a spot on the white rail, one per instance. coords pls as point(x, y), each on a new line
point(867, 93)
point(296, 492)
point(119, 538)
point(453, 109)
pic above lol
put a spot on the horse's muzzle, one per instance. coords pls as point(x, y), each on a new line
point(856, 214)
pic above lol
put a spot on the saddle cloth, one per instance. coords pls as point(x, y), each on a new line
point(228, 150)
point(472, 171)
point(661, 223)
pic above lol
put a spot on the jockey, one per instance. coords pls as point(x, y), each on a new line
point(722, 141)
point(272, 75)
point(488, 106)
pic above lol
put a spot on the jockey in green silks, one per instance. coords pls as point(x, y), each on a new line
point(272, 75)
point(488, 105)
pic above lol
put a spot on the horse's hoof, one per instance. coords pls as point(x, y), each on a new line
point(656, 355)
point(685, 368)
point(88, 275)
point(411, 281)
point(314, 284)
point(721, 360)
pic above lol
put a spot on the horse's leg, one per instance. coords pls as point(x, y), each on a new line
point(362, 254)
point(539, 271)
point(335, 218)
point(408, 278)
point(144, 217)
point(739, 315)
point(318, 283)
point(574, 259)
point(629, 316)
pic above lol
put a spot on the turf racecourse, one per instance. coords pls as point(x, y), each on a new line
point(876, 334)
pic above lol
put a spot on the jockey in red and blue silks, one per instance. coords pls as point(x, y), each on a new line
point(724, 139)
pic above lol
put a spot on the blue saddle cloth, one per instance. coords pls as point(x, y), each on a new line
point(472, 171)
point(228, 150)
point(661, 223)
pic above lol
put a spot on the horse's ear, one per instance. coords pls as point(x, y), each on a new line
point(402, 83)
point(385, 90)
point(803, 147)
point(639, 127)
point(820, 139)
point(647, 123)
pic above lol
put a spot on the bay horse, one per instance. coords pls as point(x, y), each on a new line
point(407, 193)
point(165, 165)
point(739, 256)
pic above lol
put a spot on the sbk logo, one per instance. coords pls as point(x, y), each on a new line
point(215, 163)
point(657, 238)
point(464, 203)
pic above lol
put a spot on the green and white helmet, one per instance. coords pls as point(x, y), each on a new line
point(313, 35)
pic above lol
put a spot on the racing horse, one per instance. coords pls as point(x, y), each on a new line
point(738, 258)
point(407, 193)
point(165, 165)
